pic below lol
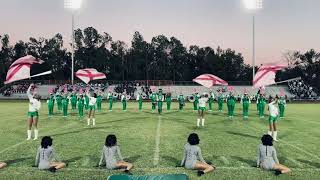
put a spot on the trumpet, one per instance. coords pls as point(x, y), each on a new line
point(128, 97)
point(144, 96)
point(206, 95)
point(115, 95)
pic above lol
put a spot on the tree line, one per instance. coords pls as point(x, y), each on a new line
point(161, 59)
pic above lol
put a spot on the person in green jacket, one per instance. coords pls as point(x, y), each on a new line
point(80, 103)
point(73, 101)
point(160, 99)
point(50, 102)
point(181, 102)
point(153, 98)
point(196, 98)
point(99, 101)
point(168, 100)
point(231, 102)
point(140, 100)
point(124, 101)
point(245, 101)
point(261, 104)
point(59, 101)
point(211, 99)
point(282, 105)
point(220, 101)
point(86, 102)
point(65, 103)
point(110, 99)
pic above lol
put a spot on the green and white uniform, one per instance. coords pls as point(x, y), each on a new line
point(261, 105)
point(196, 101)
point(245, 100)
point(282, 105)
point(73, 100)
point(65, 104)
point(86, 102)
point(231, 102)
point(202, 104)
point(99, 102)
point(168, 100)
point(80, 106)
point(160, 99)
point(273, 110)
point(140, 100)
point(153, 98)
point(110, 98)
point(124, 102)
point(34, 107)
point(50, 103)
point(59, 101)
point(211, 99)
point(181, 102)
point(220, 102)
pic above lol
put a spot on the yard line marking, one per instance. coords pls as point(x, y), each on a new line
point(24, 141)
point(224, 160)
point(295, 162)
point(165, 168)
point(293, 146)
point(157, 150)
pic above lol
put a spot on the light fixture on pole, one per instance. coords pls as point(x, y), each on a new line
point(253, 5)
point(73, 5)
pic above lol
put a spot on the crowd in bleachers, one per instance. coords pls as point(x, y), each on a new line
point(301, 90)
point(15, 89)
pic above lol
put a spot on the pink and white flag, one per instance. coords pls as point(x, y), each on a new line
point(20, 69)
point(87, 75)
point(266, 75)
point(209, 80)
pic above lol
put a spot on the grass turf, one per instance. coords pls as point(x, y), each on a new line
point(230, 144)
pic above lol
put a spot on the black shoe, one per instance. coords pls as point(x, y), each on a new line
point(277, 173)
point(200, 173)
point(127, 172)
point(52, 169)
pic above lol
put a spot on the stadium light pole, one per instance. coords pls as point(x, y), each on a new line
point(253, 6)
point(73, 5)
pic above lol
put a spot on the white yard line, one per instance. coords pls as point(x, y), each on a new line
point(165, 168)
point(224, 160)
point(293, 146)
point(24, 141)
point(157, 150)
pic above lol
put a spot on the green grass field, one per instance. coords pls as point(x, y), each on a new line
point(230, 144)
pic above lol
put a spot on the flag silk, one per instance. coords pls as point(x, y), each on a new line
point(87, 75)
point(20, 69)
point(209, 80)
point(266, 75)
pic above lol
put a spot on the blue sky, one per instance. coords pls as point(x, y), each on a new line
point(281, 25)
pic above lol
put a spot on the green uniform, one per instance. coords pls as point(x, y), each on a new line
point(110, 98)
point(181, 102)
point(261, 105)
point(140, 100)
point(231, 102)
point(80, 106)
point(211, 99)
point(282, 105)
point(73, 101)
point(257, 102)
point(86, 102)
point(220, 102)
point(59, 102)
point(124, 102)
point(245, 100)
point(196, 102)
point(65, 103)
point(99, 102)
point(153, 98)
point(168, 100)
point(50, 105)
point(160, 99)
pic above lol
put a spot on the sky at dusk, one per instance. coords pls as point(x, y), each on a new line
point(281, 25)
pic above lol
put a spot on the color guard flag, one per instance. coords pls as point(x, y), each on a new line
point(87, 75)
point(20, 69)
point(266, 75)
point(209, 80)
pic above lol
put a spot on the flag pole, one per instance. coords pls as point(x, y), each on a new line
point(280, 82)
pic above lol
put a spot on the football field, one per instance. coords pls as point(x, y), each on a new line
point(154, 144)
